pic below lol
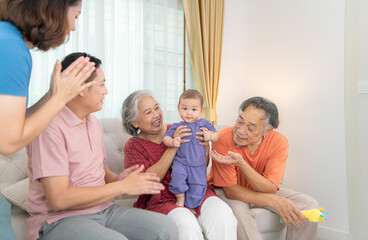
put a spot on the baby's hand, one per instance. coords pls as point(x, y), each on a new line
point(176, 141)
point(206, 135)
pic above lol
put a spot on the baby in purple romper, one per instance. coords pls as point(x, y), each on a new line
point(189, 167)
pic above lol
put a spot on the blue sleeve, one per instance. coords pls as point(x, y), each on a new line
point(207, 124)
point(15, 68)
point(172, 130)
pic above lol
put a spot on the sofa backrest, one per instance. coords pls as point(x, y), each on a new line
point(114, 141)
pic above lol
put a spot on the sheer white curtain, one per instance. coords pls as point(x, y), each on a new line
point(140, 43)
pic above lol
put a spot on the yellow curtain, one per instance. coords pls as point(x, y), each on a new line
point(204, 19)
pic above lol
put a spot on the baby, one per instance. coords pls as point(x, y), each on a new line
point(189, 168)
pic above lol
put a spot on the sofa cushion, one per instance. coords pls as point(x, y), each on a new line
point(114, 140)
point(13, 168)
point(267, 221)
point(17, 193)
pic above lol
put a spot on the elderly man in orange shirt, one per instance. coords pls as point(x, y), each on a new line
point(249, 165)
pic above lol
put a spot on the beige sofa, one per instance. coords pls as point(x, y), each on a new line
point(14, 183)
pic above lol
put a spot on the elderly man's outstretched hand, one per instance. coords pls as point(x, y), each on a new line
point(232, 159)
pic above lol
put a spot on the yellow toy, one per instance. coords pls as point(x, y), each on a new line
point(313, 215)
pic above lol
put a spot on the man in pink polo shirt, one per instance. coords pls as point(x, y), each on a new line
point(70, 192)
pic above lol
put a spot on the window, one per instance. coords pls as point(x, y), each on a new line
point(140, 43)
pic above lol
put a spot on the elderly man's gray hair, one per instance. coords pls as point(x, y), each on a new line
point(129, 111)
point(272, 115)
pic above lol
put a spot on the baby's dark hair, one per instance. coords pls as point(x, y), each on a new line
point(191, 93)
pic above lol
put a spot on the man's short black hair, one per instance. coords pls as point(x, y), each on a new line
point(74, 56)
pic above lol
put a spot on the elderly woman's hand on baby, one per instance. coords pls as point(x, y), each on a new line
point(176, 142)
point(182, 131)
point(202, 136)
point(206, 135)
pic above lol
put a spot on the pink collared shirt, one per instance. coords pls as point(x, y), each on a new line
point(67, 147)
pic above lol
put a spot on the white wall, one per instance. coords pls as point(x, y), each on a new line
point(357, 114)
point(292, 52)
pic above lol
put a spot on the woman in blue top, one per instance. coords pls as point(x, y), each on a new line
point(25, 24)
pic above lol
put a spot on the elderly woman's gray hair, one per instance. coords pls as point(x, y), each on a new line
point(129, 112)
point(272, 114)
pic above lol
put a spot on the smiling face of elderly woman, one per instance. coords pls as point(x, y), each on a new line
point(149, 116)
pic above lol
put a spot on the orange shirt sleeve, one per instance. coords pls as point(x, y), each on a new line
point(223, 175)
point(278, 153)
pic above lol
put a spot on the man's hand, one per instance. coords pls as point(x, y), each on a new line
point(126, 172)
point(286, 209)
point(232, 159)
point(137, 183)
